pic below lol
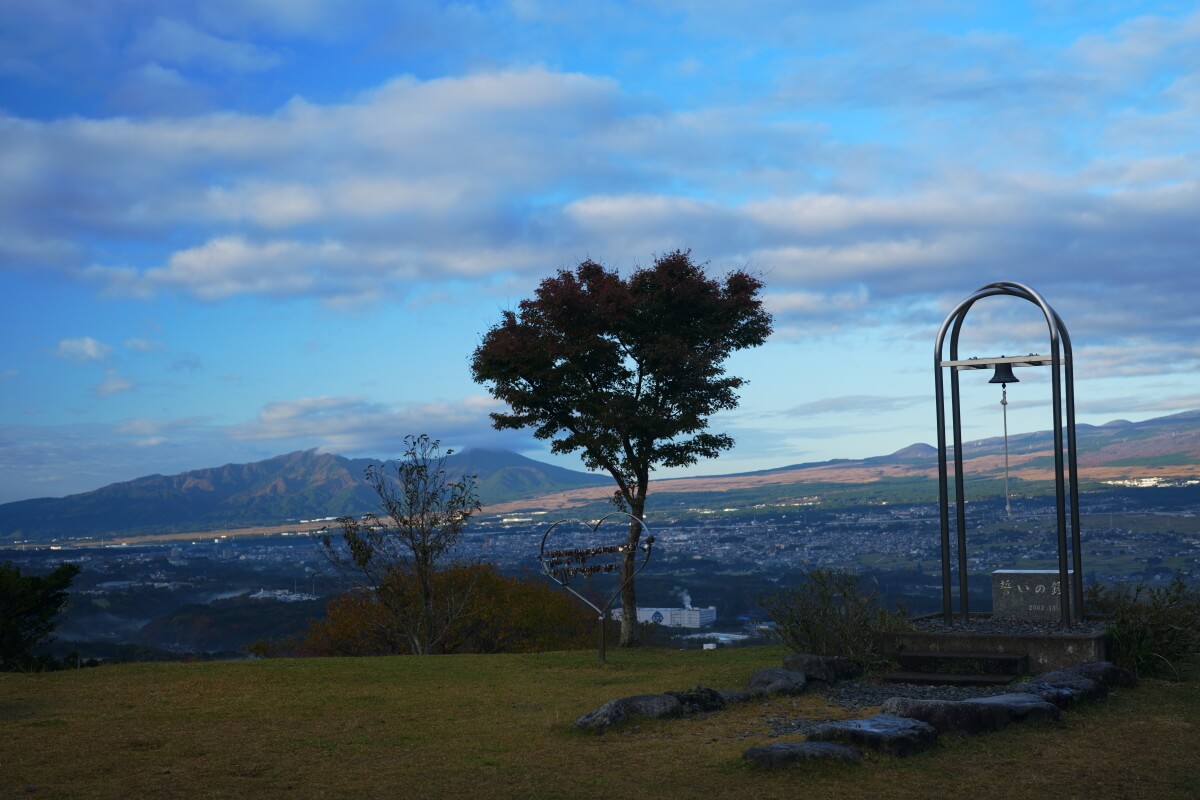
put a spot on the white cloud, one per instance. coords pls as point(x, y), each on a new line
point(320, 19)
point(816, 303)
point(507, 171)
point(1139, 45)
point(143, 345)
point(114, 384)
point(230, 265)
point(271, 206)
point(85, 348)
point(177, 42)
point(356, 426)
point(856, 404)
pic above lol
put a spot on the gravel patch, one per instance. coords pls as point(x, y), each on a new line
point(866, 693)
point(781, 725)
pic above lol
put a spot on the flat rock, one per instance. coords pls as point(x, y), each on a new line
point(1060, 696)
point(823, 668)
point(614, 712)
point(773, 680)
point(948, 716)
point(976, 715)
point(1020, 706)
point(885, 733)
point(780, 754)
point(1085, 690)
point(698, 699)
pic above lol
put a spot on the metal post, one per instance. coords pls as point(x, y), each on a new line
point(943, 489)
point(960, 492)
point(1060, 493)
point(1073, 476)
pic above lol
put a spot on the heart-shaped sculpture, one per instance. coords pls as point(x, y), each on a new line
point(581, 556)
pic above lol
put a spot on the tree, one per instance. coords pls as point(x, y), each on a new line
point(397, 557)
point(28, 606)
point(628, 371)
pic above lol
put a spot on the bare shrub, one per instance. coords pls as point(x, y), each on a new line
point(831, 614)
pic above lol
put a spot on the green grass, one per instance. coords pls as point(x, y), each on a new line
point(498, 726)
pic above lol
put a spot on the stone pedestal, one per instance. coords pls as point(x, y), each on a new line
point(1028, 594)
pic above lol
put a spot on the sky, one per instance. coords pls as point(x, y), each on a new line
point(237, 228)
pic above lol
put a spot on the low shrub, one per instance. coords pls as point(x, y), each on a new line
point(502, 615)
point(832, 614)
point(1150, 629)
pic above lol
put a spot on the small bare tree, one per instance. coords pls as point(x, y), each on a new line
point(396, 556)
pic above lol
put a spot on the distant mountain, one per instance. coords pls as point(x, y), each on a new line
point(1164, 447)
point(301, 485)
point(503, 475)
point(308, 484)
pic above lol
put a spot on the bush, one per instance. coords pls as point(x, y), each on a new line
point(830, 614)
point(1150, 629)
point(29, 605)
point(501, 615)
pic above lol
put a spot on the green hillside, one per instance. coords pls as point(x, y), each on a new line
point(498, 727)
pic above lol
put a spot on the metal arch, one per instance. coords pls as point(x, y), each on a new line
point(1071, 603)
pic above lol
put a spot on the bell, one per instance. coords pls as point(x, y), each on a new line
point(1004, 373)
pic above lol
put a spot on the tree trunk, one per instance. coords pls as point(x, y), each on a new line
point(425, 581)
point(630, 631)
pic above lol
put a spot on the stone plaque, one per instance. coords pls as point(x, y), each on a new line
point(1028, 594)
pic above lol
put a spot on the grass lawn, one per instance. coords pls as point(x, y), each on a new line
point(499, 726)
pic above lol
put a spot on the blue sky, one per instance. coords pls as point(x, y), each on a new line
point(237, 228)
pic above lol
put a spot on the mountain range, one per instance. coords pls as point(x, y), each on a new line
point(302, 485)
point(307, 484)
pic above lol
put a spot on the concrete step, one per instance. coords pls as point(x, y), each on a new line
point(948, 679)
point(964, 663)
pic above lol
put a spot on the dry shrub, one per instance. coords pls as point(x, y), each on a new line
point(831, 614)
point(1150, 629)
point(501, 615)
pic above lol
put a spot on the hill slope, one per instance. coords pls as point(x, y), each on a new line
point(1164, 447)
point(301, 485)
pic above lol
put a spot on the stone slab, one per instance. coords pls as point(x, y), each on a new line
point(780, 754)
point(774, 680)
point(1020, 706)
point(884, 733)
point(948, 716)
point(974, 716)
point(1028, 594)
point(617, 711)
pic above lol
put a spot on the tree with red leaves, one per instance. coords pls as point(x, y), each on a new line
point(628, 371)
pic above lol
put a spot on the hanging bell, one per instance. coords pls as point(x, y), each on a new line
point(1004, 373)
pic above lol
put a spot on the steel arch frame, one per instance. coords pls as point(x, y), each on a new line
point(1066, 486)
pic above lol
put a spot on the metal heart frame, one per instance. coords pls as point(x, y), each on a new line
point(562, 565)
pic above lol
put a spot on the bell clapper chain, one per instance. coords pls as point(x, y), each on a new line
point(1004, 412)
